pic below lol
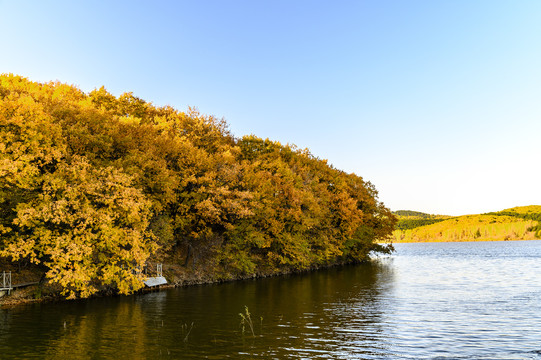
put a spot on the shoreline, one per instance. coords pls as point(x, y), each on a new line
point(466, 240)
point(26, 296)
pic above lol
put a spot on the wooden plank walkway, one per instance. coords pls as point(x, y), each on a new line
point(21, 285)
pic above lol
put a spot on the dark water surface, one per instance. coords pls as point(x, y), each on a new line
point(427, 301)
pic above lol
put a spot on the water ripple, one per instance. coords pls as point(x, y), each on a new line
point(428, 301)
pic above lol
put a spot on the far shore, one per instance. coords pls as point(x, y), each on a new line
point(465, 240)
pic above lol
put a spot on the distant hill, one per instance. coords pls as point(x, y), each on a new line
point(410, 213)
point(525, 212)
point(518, 223)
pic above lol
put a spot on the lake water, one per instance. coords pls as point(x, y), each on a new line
point(478, 300)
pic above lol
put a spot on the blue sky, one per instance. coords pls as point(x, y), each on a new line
point(437, 103)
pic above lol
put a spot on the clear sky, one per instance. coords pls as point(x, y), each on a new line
point(436, 102)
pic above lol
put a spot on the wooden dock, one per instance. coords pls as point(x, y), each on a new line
point(22, 285)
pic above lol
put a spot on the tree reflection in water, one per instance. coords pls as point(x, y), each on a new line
point(330, 313)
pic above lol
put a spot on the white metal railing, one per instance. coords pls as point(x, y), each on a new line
point(6, 282)
point(145, 270)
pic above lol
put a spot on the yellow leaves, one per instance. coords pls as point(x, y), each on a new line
point(20, 250)
point(64, 93)
point(85, 219)
point(129, 120)
point(28, 139)
point(208, 211)
point(102, 99)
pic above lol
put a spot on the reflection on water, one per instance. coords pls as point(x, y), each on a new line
point(334, 312)
point(428, 301)
point(308, 315)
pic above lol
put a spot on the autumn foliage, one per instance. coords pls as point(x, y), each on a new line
point(92, 186)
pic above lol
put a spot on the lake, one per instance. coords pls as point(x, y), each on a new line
point(478, 300)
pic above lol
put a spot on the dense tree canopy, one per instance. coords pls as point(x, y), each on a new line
point(92, 186)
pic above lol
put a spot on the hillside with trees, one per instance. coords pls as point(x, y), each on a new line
point(519, 223)
point(408, 219)
point(93, 187)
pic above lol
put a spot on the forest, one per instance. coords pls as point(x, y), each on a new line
point(93, 187)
